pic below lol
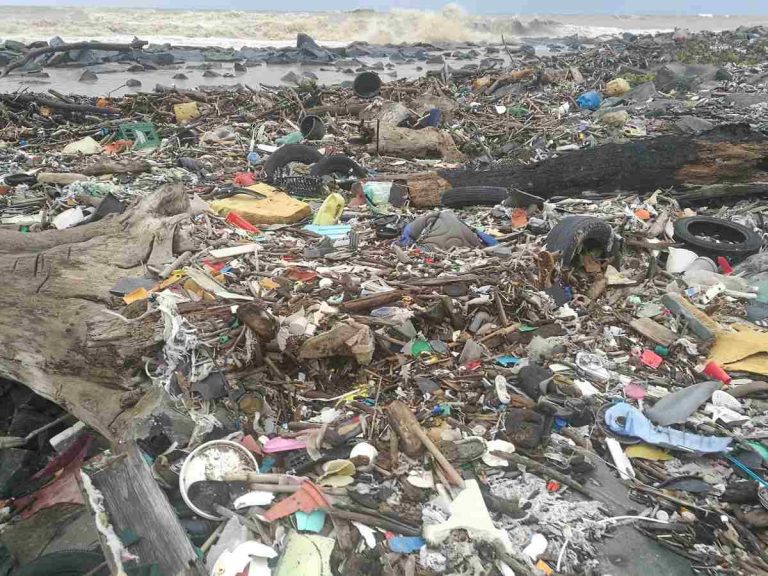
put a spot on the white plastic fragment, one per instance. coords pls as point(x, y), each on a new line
point(623, 464)
point(468, 512)
point(501, 389)
point(366, 450)
point(252, 555)
point(69, 218)
point(722, 399)
point(255, 498)
point(536, 547)
point(497, 446)
point(368, 534)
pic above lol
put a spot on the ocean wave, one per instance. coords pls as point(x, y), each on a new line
point(236, 28)
point(228, 27)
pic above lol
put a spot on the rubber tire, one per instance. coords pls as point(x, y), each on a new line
point(570, 233)
point(337, 163)
point(750, 244)
point(69, 563)
point(291, 153)
point(473, 196)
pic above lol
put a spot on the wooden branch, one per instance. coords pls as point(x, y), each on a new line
point(410, 431)
point(371, 301)
point(57, 104)
point(32, 54)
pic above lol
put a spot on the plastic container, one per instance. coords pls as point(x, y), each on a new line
point(330, 211)
point(702, 263)
point(312, 127)
point(367, 85)
point(679, 260)
point(213, 461)
point(377, 193)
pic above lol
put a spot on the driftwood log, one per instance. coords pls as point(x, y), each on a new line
point(24, 100)
point(32, 54)
point(715, 160)
point(55, 334)
point(429, 142)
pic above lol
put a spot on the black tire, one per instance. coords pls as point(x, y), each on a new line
point(337, 164)
point(291, 153)
point(69, 563)
point(572, 232)
point(474, 196)
point(737, 241)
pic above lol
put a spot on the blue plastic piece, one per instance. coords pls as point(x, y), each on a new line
point(406, 544)
point(507, 360)
point(253, 158)
point(627, 420)
point(312, 522)
point(590, 100)
point(432, 119)
point(334, 231)
point(266, 464)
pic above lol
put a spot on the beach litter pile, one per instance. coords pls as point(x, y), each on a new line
point(506, 319)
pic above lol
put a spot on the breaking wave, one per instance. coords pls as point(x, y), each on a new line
point(452, 23)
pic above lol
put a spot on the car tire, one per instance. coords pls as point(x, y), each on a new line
point(573, 232)
point(291, 153)
point(337, 164)
point(739, 243)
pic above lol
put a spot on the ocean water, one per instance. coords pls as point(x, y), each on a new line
point(238, 28)
point(235, 29)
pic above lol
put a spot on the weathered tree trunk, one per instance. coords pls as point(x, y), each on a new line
point(55, 335)
point(408, 143)
point(730, 154)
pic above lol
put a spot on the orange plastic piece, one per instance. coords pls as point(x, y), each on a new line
point(117, 146)
point(242, 223)
point(519, 218)
point(244, 179)
point(308, 498)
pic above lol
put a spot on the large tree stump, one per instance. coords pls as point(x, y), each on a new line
point(55, 336)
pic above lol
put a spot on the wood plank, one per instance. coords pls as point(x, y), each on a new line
point(654, 331)
point(135, 502)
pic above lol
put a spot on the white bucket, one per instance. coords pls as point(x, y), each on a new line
point(209, 462)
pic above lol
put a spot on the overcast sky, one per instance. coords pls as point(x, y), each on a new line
point(478, 6)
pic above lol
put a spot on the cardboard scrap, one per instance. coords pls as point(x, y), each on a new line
point(745, 350)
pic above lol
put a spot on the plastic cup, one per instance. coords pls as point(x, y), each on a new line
point(716, 372)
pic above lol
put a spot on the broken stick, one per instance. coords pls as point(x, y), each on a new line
point(409, 430)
